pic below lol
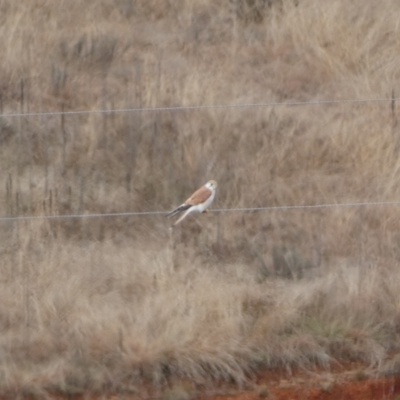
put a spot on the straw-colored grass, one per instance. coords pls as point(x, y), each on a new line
point(107, 304)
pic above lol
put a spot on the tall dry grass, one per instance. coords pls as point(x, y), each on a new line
point(107, 304)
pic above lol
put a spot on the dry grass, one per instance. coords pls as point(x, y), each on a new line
point(107, 304)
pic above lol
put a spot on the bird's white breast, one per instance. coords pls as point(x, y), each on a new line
point(207, 203)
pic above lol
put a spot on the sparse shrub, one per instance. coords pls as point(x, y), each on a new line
point(360, 376)
point(7, 130)
point(262, 391)
point(251, 10)
point(255, 11)
point(93, 50)
point(289, 263)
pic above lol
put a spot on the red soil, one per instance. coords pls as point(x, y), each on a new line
point(350, 382)
point(371, 389)
point(346, 382)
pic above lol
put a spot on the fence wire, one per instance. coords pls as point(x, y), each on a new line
point(204, 107)
point(215, 210)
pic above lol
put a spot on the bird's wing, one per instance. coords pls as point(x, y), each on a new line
point(199, 196)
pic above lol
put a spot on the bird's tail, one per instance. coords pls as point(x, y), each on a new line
point(184, 215)
point(181, 208)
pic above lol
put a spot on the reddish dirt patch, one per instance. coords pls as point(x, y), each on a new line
point(345, 383)
point(371, 389)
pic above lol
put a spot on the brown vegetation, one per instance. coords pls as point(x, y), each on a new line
point(109, 303)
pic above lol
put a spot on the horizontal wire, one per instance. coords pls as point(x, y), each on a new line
point(205, 107)
point(217, 210)
point(311, 206)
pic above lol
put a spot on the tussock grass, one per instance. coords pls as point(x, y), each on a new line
point(108, 304)
point(87, 326)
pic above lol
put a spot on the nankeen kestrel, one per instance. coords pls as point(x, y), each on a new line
point(197, 202)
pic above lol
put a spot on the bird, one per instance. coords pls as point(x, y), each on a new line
point(198, 202)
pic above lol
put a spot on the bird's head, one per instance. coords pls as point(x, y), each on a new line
point(212, 185)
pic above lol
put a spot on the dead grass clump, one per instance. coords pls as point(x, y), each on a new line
point(111, 328)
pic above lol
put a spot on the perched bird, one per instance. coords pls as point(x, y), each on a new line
point(197, 202)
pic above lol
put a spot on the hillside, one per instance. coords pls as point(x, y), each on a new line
point(108, 303)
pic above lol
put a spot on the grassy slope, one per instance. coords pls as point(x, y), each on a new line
point(108, 303)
